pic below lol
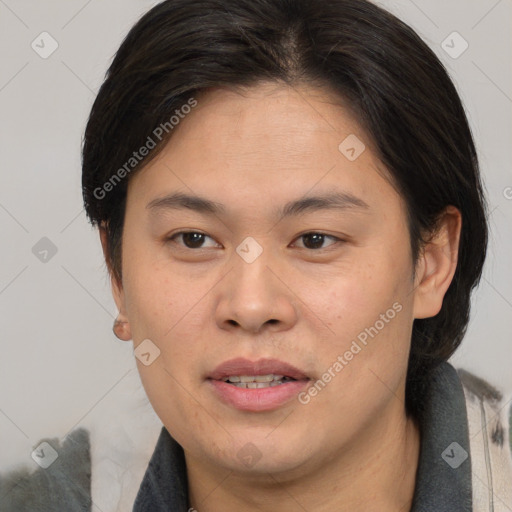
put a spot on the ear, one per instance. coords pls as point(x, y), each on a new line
point(121, 326)
point(436, 264)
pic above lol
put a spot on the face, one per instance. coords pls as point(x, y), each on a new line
point(262, 271)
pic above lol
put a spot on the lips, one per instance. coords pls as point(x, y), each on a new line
point(242, 366)
point(253, 396)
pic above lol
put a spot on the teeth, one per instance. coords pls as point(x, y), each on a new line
point(256, 381)
point(263, 378)
point(257, 385)
point(254, 378)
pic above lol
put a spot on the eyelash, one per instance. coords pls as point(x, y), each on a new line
point(336, 239)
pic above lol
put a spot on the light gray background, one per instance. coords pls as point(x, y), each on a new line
point(59, 361)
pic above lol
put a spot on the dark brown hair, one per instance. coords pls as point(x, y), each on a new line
point(398, 89)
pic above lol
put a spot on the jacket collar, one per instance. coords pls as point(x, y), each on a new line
point(164, 487)
point(443, 479)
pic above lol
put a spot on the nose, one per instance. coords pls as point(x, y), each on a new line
point(254, 297)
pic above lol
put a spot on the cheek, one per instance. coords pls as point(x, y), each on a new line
point(370, 319)
point(352, 299)
point(155, 297)
point(168, 308)
point(374, 348)
point(160, 308)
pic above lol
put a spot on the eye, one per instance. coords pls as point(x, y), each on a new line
point(191, 239)
point(195, 240)
point(314, 240)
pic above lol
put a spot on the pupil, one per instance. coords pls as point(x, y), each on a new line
point(317, 240)
point(190, 241)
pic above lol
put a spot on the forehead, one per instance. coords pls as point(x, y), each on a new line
point(265, 143)
point(270, 119)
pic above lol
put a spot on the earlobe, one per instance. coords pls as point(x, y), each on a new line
point(437, 264)
point(121, 327)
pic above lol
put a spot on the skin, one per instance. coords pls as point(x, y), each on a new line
point(351, 448)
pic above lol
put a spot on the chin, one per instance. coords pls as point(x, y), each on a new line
point(265, 452)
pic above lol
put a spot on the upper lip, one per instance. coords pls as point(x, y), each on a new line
point(242, 366)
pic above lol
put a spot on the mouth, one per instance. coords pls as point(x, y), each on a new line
point(241, 370)
point(256, 386)
point(257, 381)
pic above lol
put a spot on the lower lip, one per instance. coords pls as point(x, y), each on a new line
point(262, 399)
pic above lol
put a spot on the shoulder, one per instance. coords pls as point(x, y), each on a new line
point(61, 480)
point(489, 415)
point(101, 462)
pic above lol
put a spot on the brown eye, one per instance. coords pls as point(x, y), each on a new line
point(190, 239)
point(315, 240)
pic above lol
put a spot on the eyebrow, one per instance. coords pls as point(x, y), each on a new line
point(333, 200)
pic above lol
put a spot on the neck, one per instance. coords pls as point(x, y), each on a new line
point(379, 468)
